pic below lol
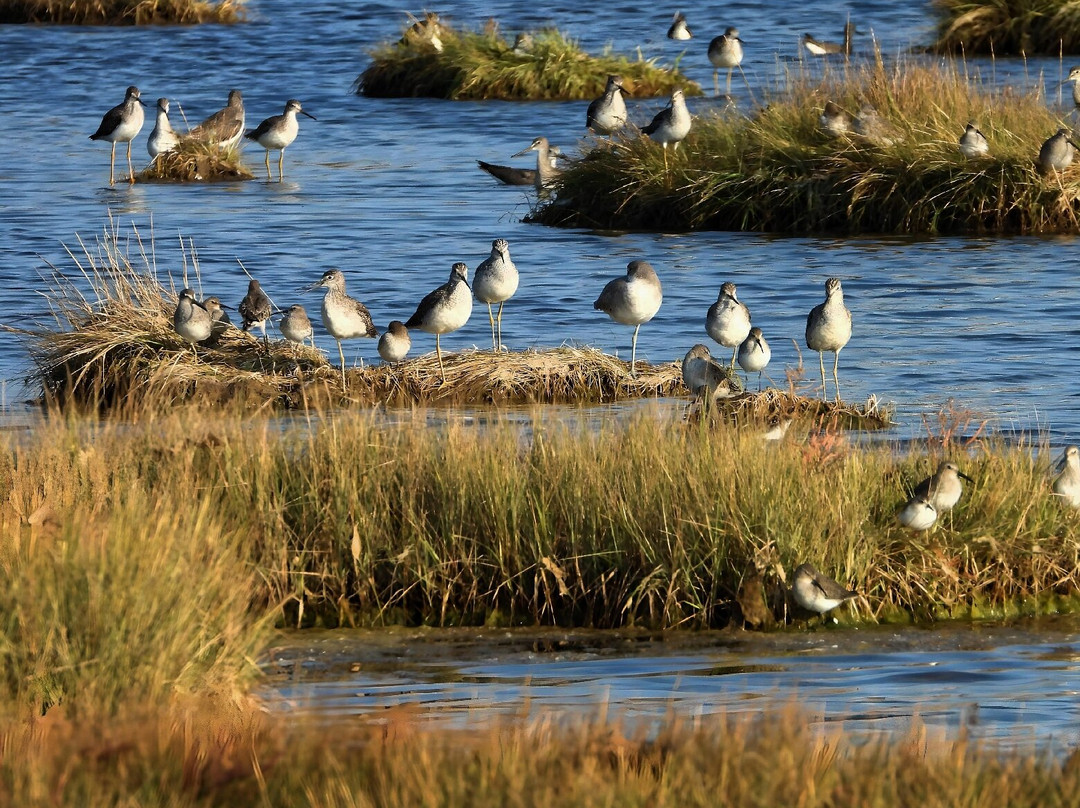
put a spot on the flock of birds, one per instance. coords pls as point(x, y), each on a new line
point(224, 128)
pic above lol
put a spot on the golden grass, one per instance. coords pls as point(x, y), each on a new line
point(121, 12)
point(193, 161)
point(1008, 27)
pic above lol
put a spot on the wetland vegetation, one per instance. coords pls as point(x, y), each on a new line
point(121, 12)
point(195, 161)
point(1007, 27)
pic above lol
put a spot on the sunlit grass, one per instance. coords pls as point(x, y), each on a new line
point(1008, 27)
point(121, 12)
point(193, 161)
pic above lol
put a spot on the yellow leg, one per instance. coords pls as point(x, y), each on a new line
point(633, 348)
point(131, 171)
point(835, 377)
point(341, 354)
point(727, 91)
point(438, 353)
point(269, 176)
point(112, 165)
point(821, 361)
point(716, 82)
point(500, 326)
point(280, 162)
point(491, 319)
point(665, 159)
point(733, 355)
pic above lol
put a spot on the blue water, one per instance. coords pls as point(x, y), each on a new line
point(388, 190)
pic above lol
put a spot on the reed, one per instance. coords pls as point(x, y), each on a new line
point(194, 161)
point(1007, 27)
point(483, 65)
point(121, 12)
point(778, 171)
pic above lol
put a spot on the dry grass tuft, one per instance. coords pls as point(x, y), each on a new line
point(1008, 27)
point(121, 12)
point(194, 161)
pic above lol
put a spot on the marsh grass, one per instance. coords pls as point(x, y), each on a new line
point(1007, 27)
point(777, 171)
point(194, 161)
point(121, 12)
point(483, 65)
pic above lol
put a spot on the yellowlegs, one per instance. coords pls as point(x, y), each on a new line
point(495, 281)
point(607, 114)
point(219, 318)
point(523, 43)
point(725, 51)
point(120, 125)
point(511, 175)
point(943, 488)
point(546, 172)
point(671, 124)
point(874, 127)
point(918, 514)
point(1074, 77)
point(728, 320)
point(343, 316)
point(295, 325)
point(704, 376)
point(754, 354)
point(679, 29)
point(828, 328)
point(632, 300)
point(395, 342)
point(1067, 483)
point(778, 430)
point(255, 308)
point(817, 592)
point(277, 132)
point(190, 320)
point(1056, 153)
point(225, 126)
point(444, 310)
point(973, 142)
point(819, 48)
point(424, 32)
point(834, 120)
point(163, 138)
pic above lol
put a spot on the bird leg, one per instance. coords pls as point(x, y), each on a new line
point(341, 354)
point(500, 325)
point(633, 349)
point(733, 355)
point(112, 165)
point(269, 176)
point(665, 159)
point(727, 90)
point(280, 163)
point(835, 378)
point(438, 353)
point(491, 319)
point(821, 361)
point(716, 81)
point(131, 171)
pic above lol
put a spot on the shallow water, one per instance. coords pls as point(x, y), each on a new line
point(389, 191)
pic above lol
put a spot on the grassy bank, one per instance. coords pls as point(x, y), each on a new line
point(192, 161)
point(1007, 27)
point(121, 12)
point(481, 65)
point(779, 171)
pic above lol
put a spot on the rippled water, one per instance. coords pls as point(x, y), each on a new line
point(389, 191)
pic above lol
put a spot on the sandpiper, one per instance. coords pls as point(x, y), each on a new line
point(255, 308)
point(873, 126)
point(444, 310)
point(725, 51)
point(225, 126)
point(511, 175)
point(728, 320)
point(1067, 483)
point(163, 138)
point(828, 328)
point(277, 132)
point(190, 320)
point(607, 114)
point(1074, 77)
point(918, 514)
point(219, 318)
point(395, 342)
point(495, 281)
point(120, 125)
point(704, 377)
point(778, 430)
point(424, 32)
point(523, 43)
point(632, 300)
point(343, 316)
point(679, 29)
point(816, 592)
point(1057, 152)
point(671, 124)
point(546, 172)
point(295, 325)
point(835, 120)
point(943, 488)
point(973, 142)
point(819, 48)
point(754, 354)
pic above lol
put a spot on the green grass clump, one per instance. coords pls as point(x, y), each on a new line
point(483, 65)
point(193, 161)
point(1008, 27)
point(121, 12)
point(778, 171)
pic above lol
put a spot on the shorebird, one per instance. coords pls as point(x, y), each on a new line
point(725, 51)
point(424, 32)
point(679, 29)
point(973, 142)
point(495, 281)
point(523, 43)
point(1074, 77)
point(918, 514)
point(255, 308)
point(1067, 483)
point(819, 48)
point(120, 125)
point(395, 342)
point(943, 488)
point(219, 318)
point(607, 114)
point(343, 316)
point(295, 325)
point(632, 300)
point(444, 310)
point(277, 132)
point(871, 125)
point(754, 354)
point(816, 592)
point(704, 377)
point(225, 126)
point(828, 328)
point(546, 172)
point(834, 120)
point(191, 321)
point(778, 430)
point(728, 320)
point(163, 138)
point(511, 175)
point(1056, 153)
point(671, 124)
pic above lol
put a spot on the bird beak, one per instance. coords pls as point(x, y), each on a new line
point(523, 151)
point(963, 476)
point(225, 306)
point(312, 287)
point(305, 112)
